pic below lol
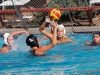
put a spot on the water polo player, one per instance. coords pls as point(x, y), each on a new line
point(95, 39)
point(61, 32)
point(9, 40)
point(33, 41)
point(61, 37)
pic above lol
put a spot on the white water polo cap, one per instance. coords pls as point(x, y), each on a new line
point(6, 35)
point(61, 26)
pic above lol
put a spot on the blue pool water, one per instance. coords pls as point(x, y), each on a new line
point(74, 58)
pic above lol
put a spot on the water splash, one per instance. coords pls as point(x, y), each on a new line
point(20, 43)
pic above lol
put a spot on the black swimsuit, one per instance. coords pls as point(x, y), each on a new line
point(94, 44)
point(33, 52)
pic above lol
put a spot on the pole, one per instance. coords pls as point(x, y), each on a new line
point(23, 24)
point(3, 16)
point(64, 2)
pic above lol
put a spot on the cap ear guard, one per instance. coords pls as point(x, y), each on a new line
point(5, 36)
point(61, 26)
point(32, 41)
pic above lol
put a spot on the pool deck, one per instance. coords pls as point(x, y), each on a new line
point(69, 29)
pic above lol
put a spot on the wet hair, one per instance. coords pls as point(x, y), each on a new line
point(32, 41)
point(98, 33)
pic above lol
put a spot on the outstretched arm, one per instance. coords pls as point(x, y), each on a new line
point(43, 31)
point(53, 41)
point(88, 42)
point(19, 32)
point(69, 40)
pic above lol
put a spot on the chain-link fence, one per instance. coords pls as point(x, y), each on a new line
point(77, 15)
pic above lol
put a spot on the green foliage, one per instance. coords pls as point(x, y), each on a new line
point(58, 3)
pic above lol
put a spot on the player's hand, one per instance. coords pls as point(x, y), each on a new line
point(47, 19)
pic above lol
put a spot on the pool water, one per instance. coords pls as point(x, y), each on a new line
point(75, 58)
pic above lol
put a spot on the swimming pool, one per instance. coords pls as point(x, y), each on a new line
point(74, 58)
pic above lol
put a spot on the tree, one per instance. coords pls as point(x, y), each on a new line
point(39, 17)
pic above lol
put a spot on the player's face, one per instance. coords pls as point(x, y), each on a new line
point(10, 40)
point(96, 38)
point(60, 32)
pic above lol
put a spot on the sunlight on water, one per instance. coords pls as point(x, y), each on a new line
point(74, 58)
